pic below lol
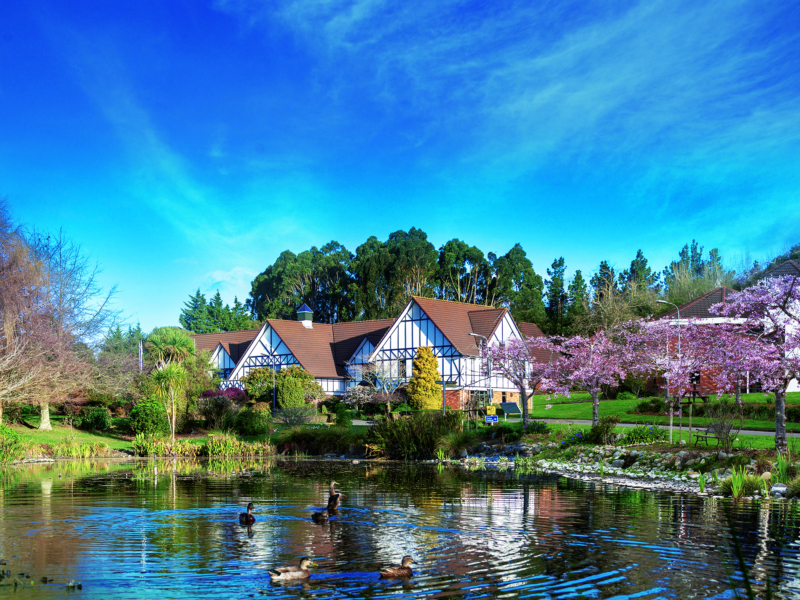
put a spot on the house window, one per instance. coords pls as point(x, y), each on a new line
point(401, 367)
point(504, 397)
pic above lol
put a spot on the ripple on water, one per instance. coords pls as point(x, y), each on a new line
point(127, 534)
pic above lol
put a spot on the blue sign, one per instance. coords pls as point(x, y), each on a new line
point(491, 418)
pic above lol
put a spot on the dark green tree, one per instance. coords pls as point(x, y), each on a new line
point(376, 287)
point(519, 287)
point(604, 282)
point(462, 272)
point(194, 315)
point(414, 264)
point(577, 299)
point(640, 273)
point(556, 296)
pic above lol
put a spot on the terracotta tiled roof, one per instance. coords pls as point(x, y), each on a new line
point(234, 342)
point(484, 322)
point(455, 320)
point(531, 330)
point(790, 267)
point(347, 337)
point(698, 308)
point(313, 348)
point(323, 349)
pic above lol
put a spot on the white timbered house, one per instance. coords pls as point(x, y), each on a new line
point(337, 354)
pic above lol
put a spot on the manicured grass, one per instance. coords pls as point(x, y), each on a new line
point(622, 407)
point(60, 432)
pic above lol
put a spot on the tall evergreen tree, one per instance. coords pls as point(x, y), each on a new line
point(376, 289)
point(604, 282)
point(640, 273)
point(520, 288)
point(194, 315)
point(577, 300)
point(556, 307)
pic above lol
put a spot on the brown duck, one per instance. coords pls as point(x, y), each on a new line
point(287, 573)
point(247, 518)
point(321, 516)
point(402, 570)
point(334, 499)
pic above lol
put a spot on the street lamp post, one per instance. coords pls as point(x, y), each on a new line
point(677, 308)
point(273, 388)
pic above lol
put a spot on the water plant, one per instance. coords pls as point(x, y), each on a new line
point(701, 482)
point(11, 445)
point(740, 483)
point(441, 454)
point(416, 437)
point(455, 442)
point(785, 470)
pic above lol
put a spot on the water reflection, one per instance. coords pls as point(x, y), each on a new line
point(171, 528)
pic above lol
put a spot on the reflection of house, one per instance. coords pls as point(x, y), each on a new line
point(336, 354)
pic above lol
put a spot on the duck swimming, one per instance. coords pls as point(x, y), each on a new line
point(247, 518)
point(288, 573)
point(334, 499)
point(321, 516)
point(402, 570)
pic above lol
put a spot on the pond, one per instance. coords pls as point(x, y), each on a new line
point(169, 529)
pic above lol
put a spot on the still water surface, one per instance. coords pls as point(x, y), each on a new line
point(123, 531)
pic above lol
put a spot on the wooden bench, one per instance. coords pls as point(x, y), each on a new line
point(712, 431)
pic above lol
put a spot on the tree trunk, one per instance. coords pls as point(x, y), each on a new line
point(595, 408)
point(739, 393)
point(780, 421)
point(671, 410)
point(1, 413)
point(44, 421)
point(173, 418)
point(524, 399)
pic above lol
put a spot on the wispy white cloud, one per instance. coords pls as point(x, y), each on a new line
point(235, 281)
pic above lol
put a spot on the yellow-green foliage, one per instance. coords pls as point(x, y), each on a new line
point(423, 391)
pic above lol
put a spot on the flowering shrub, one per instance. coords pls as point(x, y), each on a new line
point(645, 434)
point(535, 427)
point(575, 438)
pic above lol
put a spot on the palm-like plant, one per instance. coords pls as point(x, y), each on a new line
point(170, 382)
point(167, 346)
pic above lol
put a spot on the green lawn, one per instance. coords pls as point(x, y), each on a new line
point(60, 432)
point(621, 408)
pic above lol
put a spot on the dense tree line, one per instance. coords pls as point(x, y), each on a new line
point(377, 280)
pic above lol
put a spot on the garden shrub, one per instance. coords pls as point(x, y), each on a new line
point(321, 439)
point(740, 484)
point(508, 432)
point(11, 445)
point(535, 427)
point(415, 437)
point(626, 396)
point(97, 418)
point(793, 489)
point(423, 391)
point(254, 420)
point(644, 434)
point(258, 384)
point(343, 418)
point(602, 432)
point(148, 417)
point(217, 407)
point(454, 442)
point(575, 438)
point(294, 415)
point(291, 393)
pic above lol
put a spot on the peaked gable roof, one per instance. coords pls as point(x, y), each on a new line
point(348, 337)
point(790, 267)
point(456, 320)
point(324, 349)
point(234, 342)
point(698, 308)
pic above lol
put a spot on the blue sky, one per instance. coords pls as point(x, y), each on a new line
point(186, 144)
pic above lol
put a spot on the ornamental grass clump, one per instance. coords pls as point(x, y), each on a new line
point(455, 442)
point(415, 437)
point(740, 484)
point(153, 445)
